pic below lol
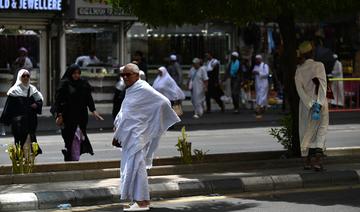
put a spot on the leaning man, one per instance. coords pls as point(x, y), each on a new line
point(310, 79)
point(144, 116)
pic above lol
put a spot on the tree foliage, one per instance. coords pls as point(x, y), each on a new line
point(179, 12)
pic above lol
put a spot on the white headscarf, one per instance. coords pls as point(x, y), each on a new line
point(167, 86)
point(20, 89)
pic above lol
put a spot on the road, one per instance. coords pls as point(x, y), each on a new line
point(214, 141)
point(326, 200)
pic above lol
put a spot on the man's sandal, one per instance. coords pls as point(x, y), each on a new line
point(135, 207)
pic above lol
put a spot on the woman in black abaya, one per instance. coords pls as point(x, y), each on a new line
point(72, 100)
point(23, 104)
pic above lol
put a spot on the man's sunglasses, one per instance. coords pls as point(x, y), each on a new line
point(25, 76)
point(126, 74)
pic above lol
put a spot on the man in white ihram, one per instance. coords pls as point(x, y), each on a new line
point(144, 116)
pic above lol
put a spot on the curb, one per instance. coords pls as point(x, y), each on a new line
point(79, 197)
point(215, 163)
point(211, 158)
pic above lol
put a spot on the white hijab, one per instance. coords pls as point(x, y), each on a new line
point(167, 86)
point(21, 89)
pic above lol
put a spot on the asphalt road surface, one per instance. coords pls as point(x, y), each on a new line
point(213, 141)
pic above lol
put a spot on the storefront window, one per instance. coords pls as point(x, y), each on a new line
point(12, 58)
point(95, 49)
point(81, 41)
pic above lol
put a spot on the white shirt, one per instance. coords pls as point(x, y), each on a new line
point(86, 60)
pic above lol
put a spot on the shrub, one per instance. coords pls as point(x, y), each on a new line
point(23, 159)
point(283, 135)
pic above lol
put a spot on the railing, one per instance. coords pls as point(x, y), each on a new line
point(346, 95)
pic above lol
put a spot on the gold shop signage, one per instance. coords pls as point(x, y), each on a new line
point(31, 5)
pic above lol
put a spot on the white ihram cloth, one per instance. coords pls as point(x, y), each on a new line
point(167, 86)
point(144, 116)
point(337, 86)
point(312, 133)
point(262, 84)
point(197, 77)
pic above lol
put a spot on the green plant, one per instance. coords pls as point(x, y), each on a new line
point(23, 159)
point(199, 154)
point(283, 135)
point(184, 147)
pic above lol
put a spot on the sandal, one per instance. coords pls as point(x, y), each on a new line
point(319, 168)
point(135, 207)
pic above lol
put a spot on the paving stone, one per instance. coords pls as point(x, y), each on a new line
point(50, 199)
point(225, 185)
point(260, 183)
point(91, 195)
point(192, 188)
point(18, 202)
point(164, 190)
point(287, 181)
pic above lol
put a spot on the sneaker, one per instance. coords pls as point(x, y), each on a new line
point(196, 116)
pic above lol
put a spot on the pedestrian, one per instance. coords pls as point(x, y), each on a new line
point(87, 60)
point(141, 73)
point(310, 79)
point(167, 86)
point(23, 104)
point(21, 62)
point(337, 86)
point(141, 63)
point(119, 93)
point(198, 84)
point(175, 71)
point(144, 116)
point(261, 73)
point(214, 91)
point(234, 71)
point(72, 100)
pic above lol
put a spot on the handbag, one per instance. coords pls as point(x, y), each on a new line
point(178, 109)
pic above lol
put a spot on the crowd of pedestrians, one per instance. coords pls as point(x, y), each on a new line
point(143, 112)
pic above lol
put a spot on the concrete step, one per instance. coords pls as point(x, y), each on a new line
point(215, 164)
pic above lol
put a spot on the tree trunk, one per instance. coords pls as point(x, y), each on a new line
point(287, 29)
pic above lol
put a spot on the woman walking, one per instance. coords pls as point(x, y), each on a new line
point(23, 104)
point(72, 100)
point(167, 86)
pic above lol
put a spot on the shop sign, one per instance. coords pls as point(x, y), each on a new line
point(33, 5)
point(94, 11)
point(98, 10)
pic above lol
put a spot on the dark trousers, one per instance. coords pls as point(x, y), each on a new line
point(215, 94)
point(235, 92)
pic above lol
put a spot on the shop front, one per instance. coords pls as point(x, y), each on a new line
point(28, 27)
point(94, 28)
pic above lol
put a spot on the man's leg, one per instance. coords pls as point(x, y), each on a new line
point(141, 184)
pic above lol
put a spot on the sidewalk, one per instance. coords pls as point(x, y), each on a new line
point(259, 176)
point(214, 120)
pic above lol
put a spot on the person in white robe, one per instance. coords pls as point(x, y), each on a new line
point(198, 83)
point(144, 116)
point(311, 85)
point(337, 86)
point(167, 86)
point(261, 73)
